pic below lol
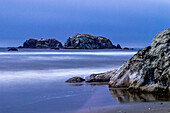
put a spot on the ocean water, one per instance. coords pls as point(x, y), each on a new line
point(46, 64)
point(33, 80)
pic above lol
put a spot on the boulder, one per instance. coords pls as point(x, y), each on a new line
point(101, 77)
point(75, 80)
point(42, 43)
point(86, 41)
point(13, 49)
point(149, 69)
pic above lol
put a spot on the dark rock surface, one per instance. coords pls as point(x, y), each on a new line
point(42, 43)
point(101, 77)
point(86, 41)
point(13, 49)
point(75, 80)
point(126, 48)
point(149, 69)
point(118, 47)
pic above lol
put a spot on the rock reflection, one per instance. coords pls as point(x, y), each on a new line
point(75, 84)
point(124, 96)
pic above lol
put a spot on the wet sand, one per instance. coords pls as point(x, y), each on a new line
point(149, 107)
point(130, 102)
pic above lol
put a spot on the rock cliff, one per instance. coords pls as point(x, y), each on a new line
point(42, 43)
point(149, 69)
point(86, 41)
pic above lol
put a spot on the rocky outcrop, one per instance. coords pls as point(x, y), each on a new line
point(75, 80)
point(149, 69)
point(101, 77)
point(42, 43)
point(86, 41)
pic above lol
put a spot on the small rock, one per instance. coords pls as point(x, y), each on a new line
point(13, 49)
point(75, 80)
point(126, 48)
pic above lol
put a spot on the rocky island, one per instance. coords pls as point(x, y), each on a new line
point(79, 41)
point(86, 41)
point(42, 43)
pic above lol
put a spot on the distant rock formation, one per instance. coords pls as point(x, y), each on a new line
point(149, 69)
point(126, 48)
point(13, 49)
point(86, 41)
point(42, 43)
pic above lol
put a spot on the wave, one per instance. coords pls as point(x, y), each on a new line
point(51, 75)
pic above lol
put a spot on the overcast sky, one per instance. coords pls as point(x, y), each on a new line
point(131, 23)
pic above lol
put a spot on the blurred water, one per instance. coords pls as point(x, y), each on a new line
point(37, 63)
point(32, 80)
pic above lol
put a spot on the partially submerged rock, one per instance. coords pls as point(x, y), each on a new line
point(13, 49)
point(149, 69)
point(126, 48)
point(101, 77)
point(42, 43)
point(86, 41)
point(75, 80)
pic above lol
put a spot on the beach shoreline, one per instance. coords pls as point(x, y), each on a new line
point(144, 107)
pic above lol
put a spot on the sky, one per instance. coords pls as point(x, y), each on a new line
point(131, 23)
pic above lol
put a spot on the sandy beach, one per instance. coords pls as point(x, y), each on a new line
point(151, 107)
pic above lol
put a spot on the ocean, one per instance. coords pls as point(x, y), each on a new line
point(33, 80)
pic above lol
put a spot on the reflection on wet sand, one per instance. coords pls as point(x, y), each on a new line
point(123, 96)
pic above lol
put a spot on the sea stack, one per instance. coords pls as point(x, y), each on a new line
point(86, 41)
point(149, 69)
point(42, 43)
